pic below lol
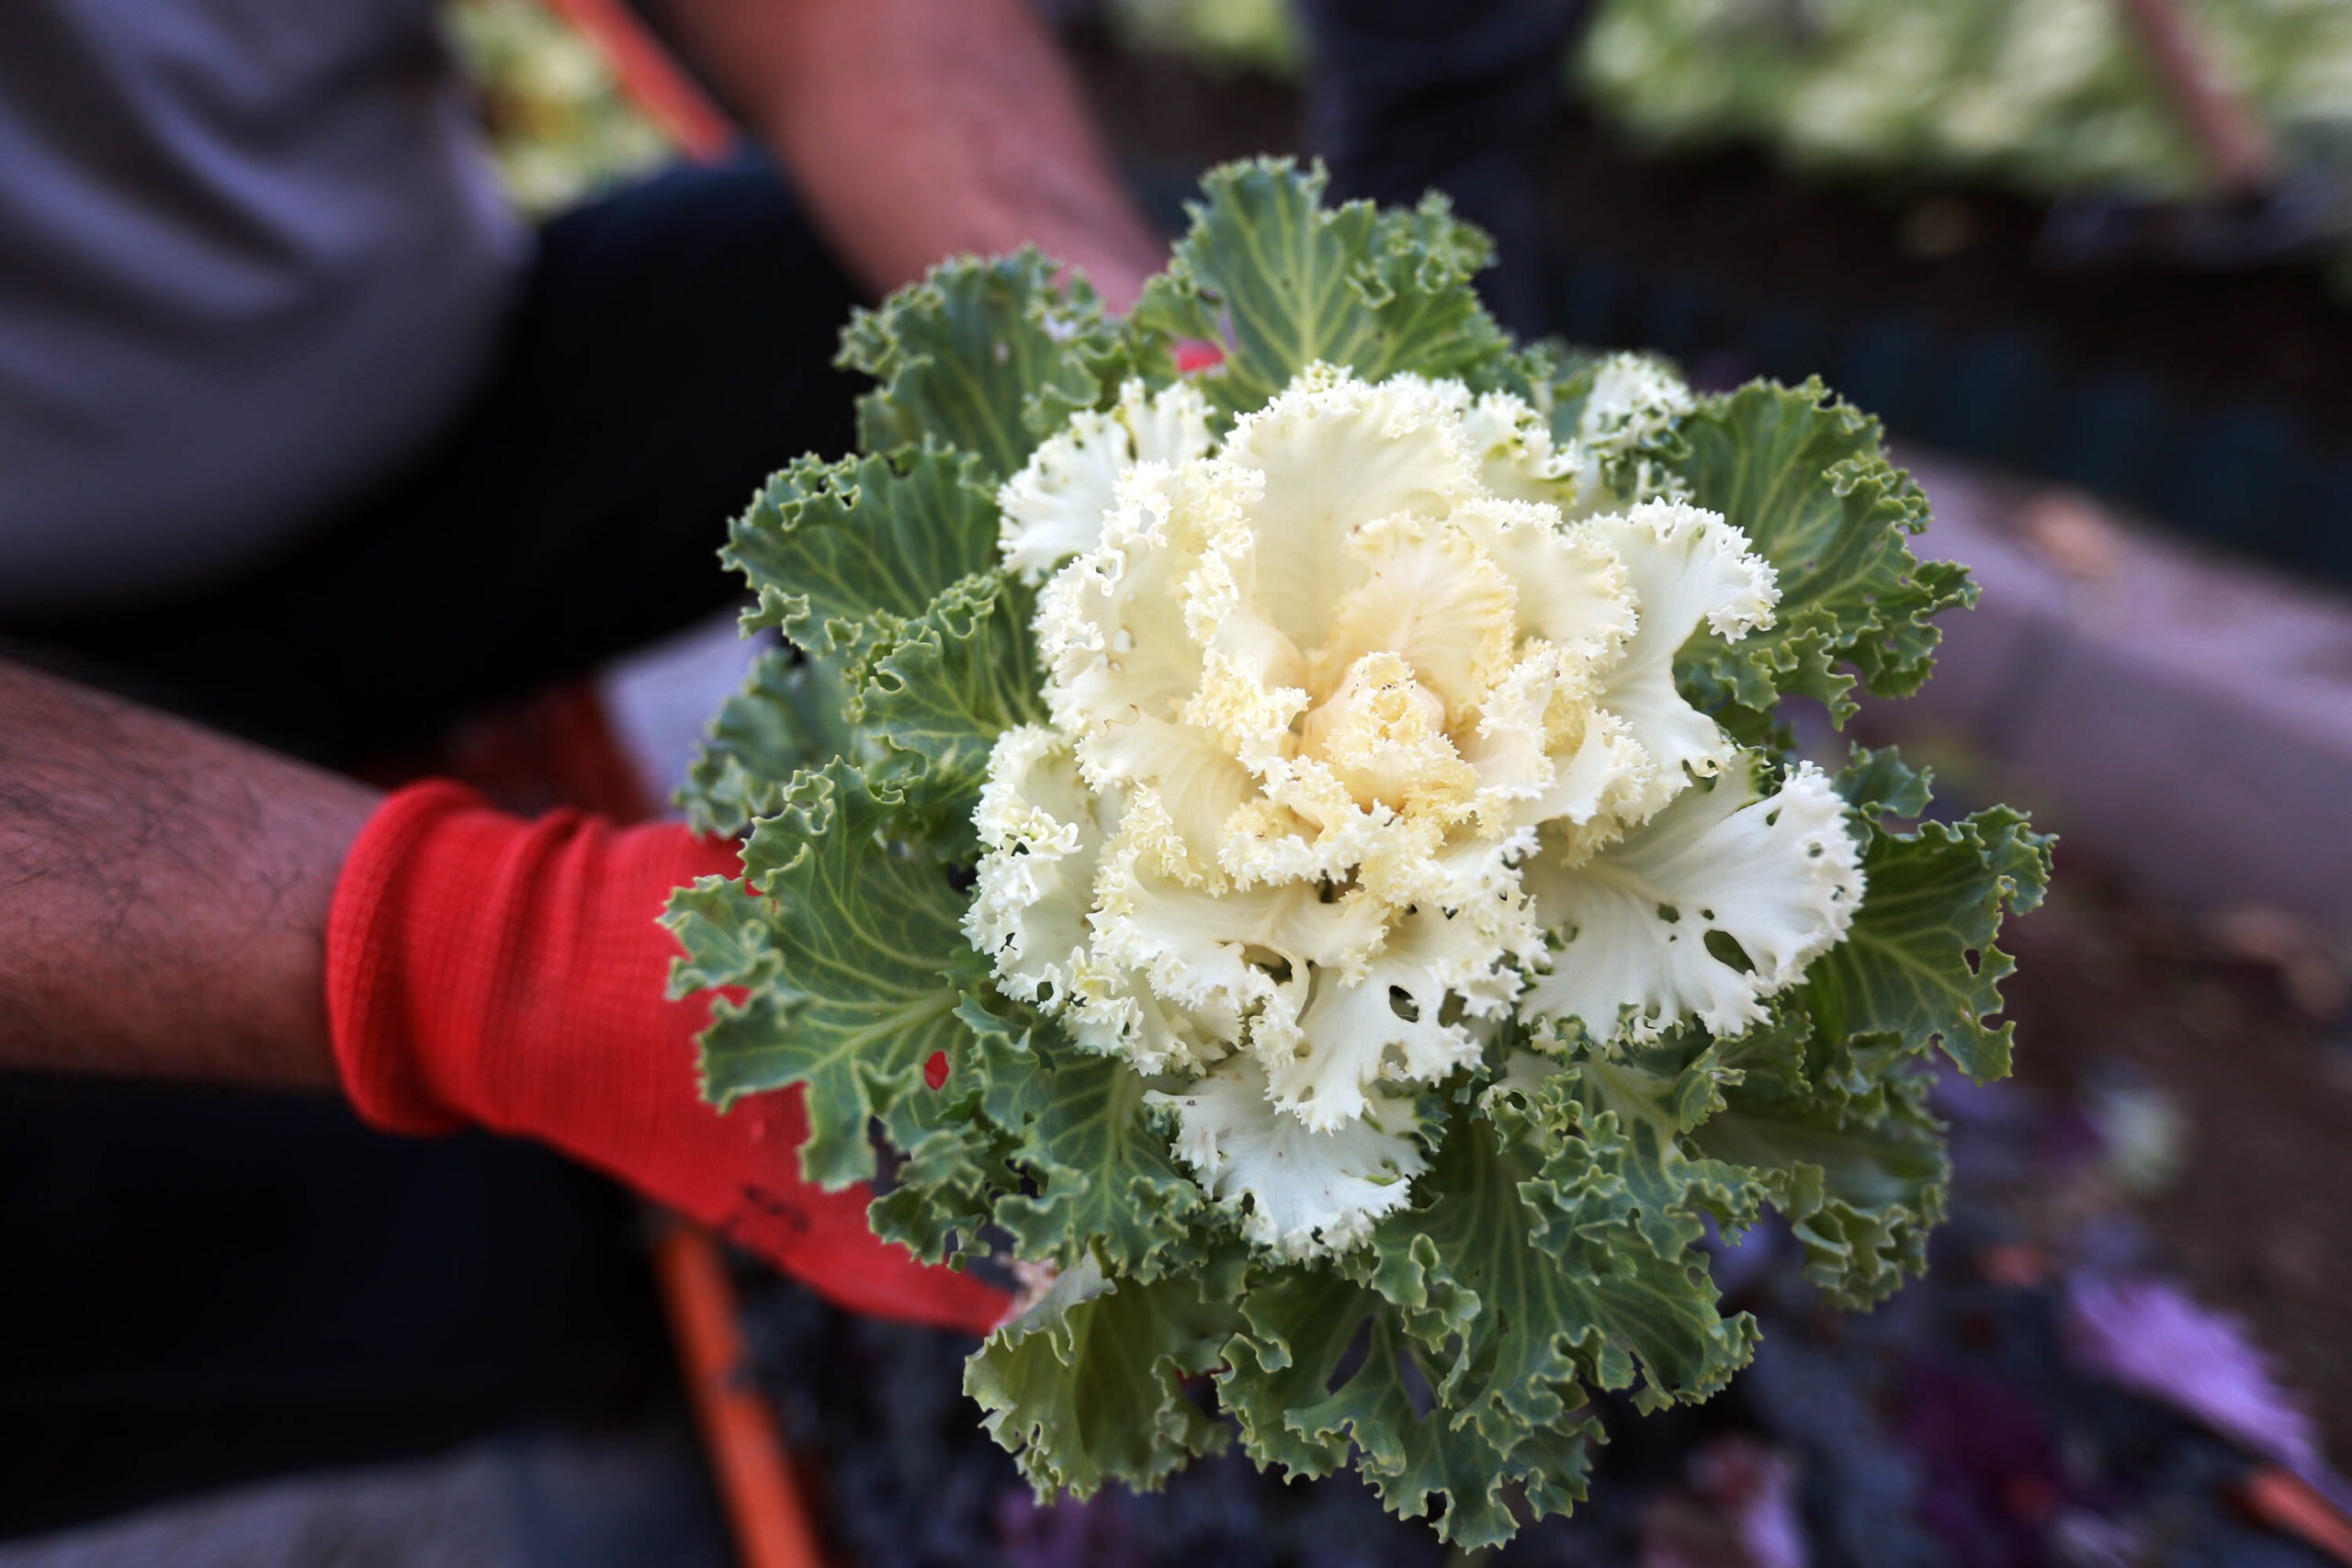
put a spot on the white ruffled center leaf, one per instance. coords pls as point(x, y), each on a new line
point(1357, 722)
point(1714, 904)
point(1296, 1191)
point(1054, 507)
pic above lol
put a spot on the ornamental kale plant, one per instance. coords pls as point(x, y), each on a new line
point(1329, 817)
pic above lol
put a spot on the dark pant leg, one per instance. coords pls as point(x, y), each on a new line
point(673, 350)
point(202, 1285)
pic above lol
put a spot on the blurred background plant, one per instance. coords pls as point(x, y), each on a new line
point(560, 127)
point(2048, 96)
point(1260, 36)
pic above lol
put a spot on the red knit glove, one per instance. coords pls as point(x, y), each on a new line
point(487, 971)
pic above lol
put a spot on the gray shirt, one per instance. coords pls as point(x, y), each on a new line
point(251, 262)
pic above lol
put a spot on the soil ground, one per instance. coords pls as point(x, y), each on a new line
point(2255, 1218)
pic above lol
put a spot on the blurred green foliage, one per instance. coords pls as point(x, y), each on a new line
point(560, 128)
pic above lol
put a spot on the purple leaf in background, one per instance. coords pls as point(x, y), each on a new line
point(1989, 1464)
point(2149, 1337)
point(1069, 1534)
point(1739, 1511)
point(1758, 1487)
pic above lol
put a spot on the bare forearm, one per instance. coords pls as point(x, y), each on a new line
point(163, 893)
point(922, 129)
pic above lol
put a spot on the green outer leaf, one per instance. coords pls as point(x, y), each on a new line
point(1919, 964)
point(1101, 1177)
point(789, 716)
point(1302, 1324)
point(1648, 1104)
point(1051, 1144)
point(870, 950)
point(1531, 1268)
point(942, 1195)
point(1282, 281)
point(1103, 1174)
point(729, 933)
point(957, 677)
point(984, 357)
point(1470, 1264)
point(1860, 1192)
point(1879, 784)
point(1557, 382)
point(1619, 1200)
point(841, 553)
point(955, 1168)
point(1088, 1384)
point(1804, 476)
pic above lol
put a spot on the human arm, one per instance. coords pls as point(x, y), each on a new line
point(163, 893)
point(175, 904)
point(921, 128)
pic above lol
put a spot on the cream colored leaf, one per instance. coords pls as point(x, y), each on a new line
point(1513, 444)
point(1301, 1193)
point(1057, 506)
point(1108, 630)
point(1432, 596)
point(1042, 840)
point(1335, 452)
point(1634, 398)
point(1329, 1037)
point(1688, 568)
point(1777, 875)
point(1569, 586)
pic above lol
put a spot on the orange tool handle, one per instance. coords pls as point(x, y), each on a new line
point(770, 1525)
point(2288, 1503)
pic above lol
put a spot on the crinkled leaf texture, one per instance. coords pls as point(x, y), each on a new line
point(1807, 479)
point(1310, 1166)
point(1282, 282)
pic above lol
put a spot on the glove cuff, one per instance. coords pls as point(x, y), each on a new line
point(485, 969)
point(370, 998)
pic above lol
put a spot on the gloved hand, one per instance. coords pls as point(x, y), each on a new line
point(487, 971)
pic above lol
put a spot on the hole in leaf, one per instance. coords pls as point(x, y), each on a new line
point(1669, 914)
point(1276, 967)
point(1727, 950)
point(1403, 1005)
